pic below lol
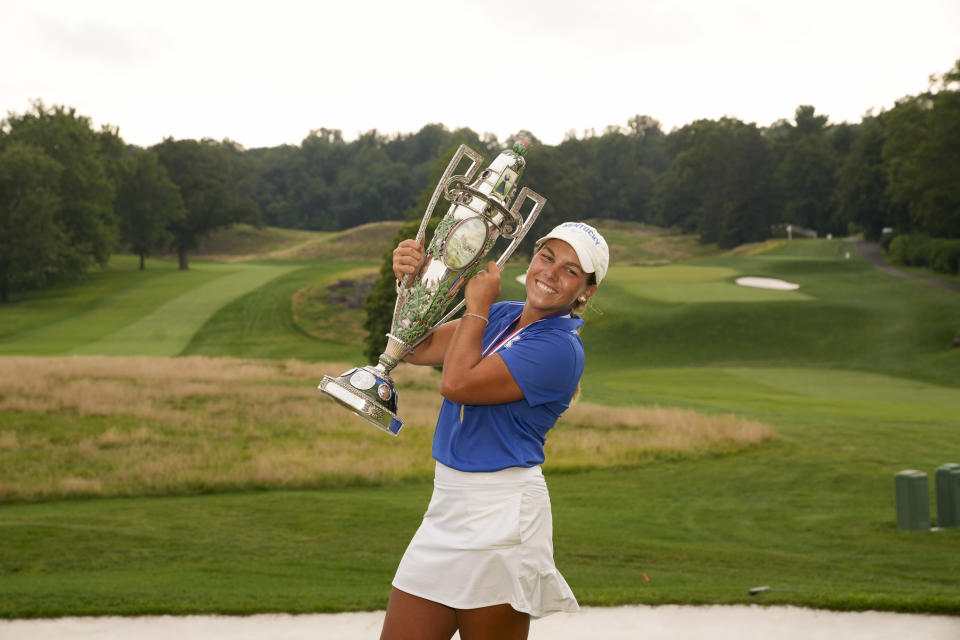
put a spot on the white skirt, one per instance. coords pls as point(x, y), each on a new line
point(486, 539)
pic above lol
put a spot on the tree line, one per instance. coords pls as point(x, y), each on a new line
point(70, 195)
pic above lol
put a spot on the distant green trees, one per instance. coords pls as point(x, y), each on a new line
point(56, 197)
point(718, 183)
point(922, 153)
point(862, 181)
point(806, 165)
point(216, 184)
point(32, 244)
point(148, 205)
point(69, 195)
point(328, 184)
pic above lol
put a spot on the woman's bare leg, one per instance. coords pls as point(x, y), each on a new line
point(499, 622)
point(412, 618)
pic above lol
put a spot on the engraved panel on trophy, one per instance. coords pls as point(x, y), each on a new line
point(465, 243)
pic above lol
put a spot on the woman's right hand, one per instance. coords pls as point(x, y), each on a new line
point(407, 258)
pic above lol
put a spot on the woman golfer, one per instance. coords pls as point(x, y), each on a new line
point(482, 560)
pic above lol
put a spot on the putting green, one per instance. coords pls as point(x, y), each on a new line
point(686, 283)
point(169, 328)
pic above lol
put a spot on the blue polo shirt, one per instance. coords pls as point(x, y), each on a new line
point(546, 361)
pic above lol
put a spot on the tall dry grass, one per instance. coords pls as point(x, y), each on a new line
point(96, 425)
point(621, 436)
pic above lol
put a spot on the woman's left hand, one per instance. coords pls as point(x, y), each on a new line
point(483, 289)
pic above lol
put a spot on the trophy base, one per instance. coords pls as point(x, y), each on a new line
point(361, 400)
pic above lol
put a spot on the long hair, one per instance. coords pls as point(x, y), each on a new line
point(577, 307)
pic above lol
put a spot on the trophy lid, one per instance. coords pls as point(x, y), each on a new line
point(520, 147)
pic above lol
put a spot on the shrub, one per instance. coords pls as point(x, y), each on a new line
point(939, 254)
point(944, 255)
point(907, 250)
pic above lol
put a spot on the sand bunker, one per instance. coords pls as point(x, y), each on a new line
point(667, 622)
point(766, 283)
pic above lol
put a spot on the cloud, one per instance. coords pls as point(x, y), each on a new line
point(268, 74)
point(92, 41)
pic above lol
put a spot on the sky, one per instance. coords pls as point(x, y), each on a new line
point(267, 73)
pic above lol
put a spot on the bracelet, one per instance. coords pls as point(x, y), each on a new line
point(476, 315)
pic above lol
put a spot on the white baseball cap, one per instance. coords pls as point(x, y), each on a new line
point(589, 245)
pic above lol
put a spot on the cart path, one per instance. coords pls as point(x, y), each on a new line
point(871, 252)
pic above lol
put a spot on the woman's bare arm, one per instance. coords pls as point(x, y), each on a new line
point(432, 350)
point(468, 377)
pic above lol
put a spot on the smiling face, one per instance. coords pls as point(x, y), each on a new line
point(555, 279)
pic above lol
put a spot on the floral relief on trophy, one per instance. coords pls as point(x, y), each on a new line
point(414, 313)
point(421, 308)
point(443, 228)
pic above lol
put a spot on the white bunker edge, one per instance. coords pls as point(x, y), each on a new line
point(744, 281)
point(767, 283)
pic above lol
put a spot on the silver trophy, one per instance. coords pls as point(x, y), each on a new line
point(480, 212)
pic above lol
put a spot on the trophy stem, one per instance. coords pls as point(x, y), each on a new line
point(395, 351)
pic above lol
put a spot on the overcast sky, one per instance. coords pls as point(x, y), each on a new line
point(265, 73)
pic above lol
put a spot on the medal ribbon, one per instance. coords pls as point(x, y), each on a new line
point(495, 346)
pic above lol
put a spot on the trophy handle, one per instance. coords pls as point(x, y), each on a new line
point(476, 158)
point(463, 150)
point(538, 203)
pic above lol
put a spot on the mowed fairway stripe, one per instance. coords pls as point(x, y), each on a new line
point(812, 392)
point(166, 331)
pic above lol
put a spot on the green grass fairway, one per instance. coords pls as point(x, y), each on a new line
point(240, 308)
point(854, 372)
point(259, 324)
point(776, 392)
point(43, 322)
point(279, 551)
point(704, 532)
point(123, 311)
point(846, 314)
point(170, 327)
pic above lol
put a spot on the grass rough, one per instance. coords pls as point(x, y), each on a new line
point(833, 388)
point(100, 426)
